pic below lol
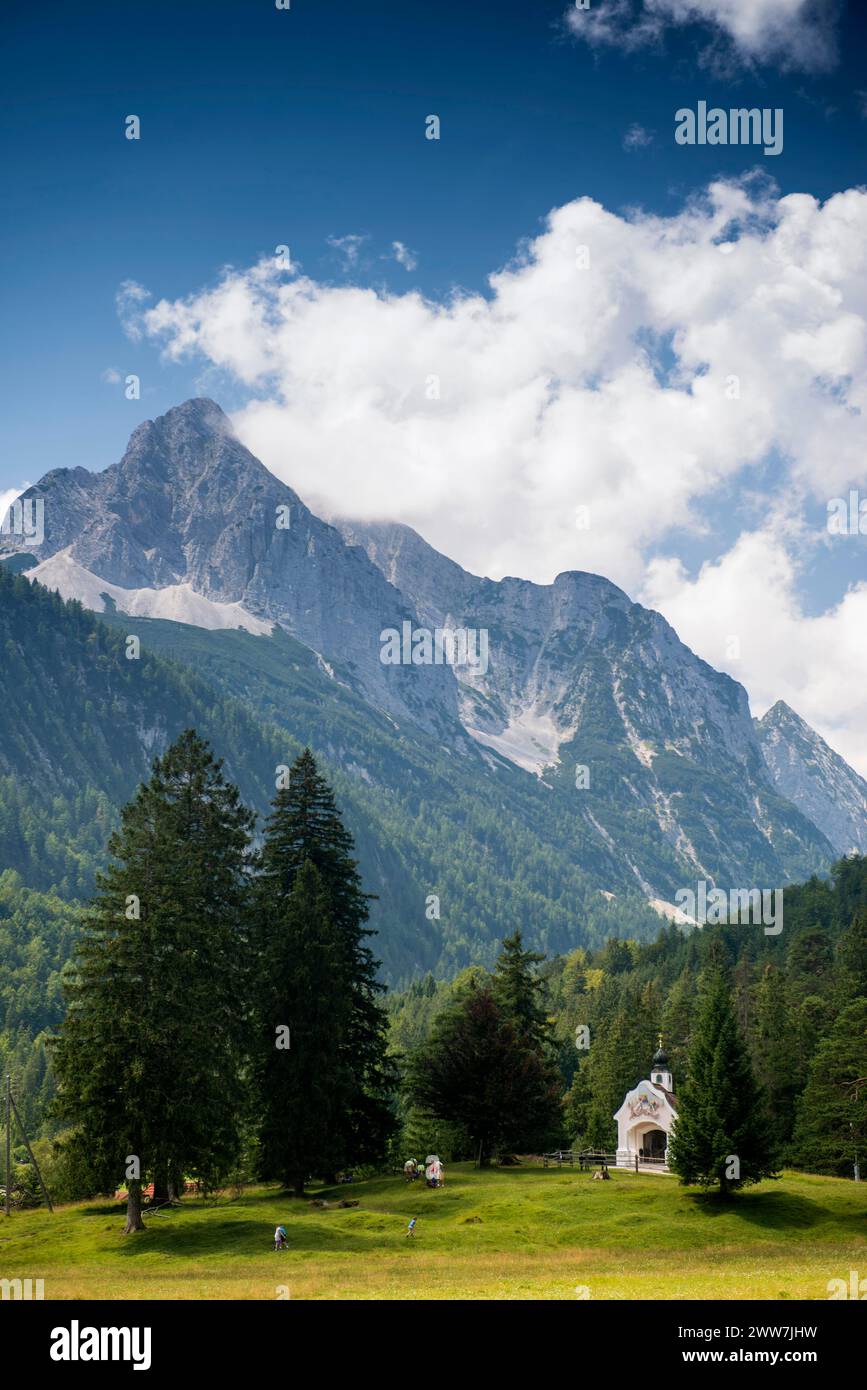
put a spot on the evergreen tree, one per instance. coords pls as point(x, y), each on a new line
point(775, 1054)
point(148, 1059)
point(721, 1131)
point(852, 960)
point(832, 1122)
point(476, 1071)
point(677, 1024)
point(305, 827)
point(301, 1016)
point(623, 1038)
point(519, 992)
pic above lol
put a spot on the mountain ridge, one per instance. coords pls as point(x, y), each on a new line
point(583, 683)
point(808, 772)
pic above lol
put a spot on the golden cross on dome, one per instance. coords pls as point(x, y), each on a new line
point(660, 1040)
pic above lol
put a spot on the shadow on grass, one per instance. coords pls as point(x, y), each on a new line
point(775, 1211)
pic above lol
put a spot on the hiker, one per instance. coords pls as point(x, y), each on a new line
point(410, 1230)
point(281, 1239)
point(409, 1170)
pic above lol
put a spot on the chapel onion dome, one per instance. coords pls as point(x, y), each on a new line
point(660, 1057)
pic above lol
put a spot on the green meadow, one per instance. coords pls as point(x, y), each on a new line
point(516, 1233)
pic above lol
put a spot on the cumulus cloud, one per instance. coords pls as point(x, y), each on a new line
point(620, 374)
point(795, 35)
point(628, 365)
point(743, 614)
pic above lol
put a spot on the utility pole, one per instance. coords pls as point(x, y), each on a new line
point(8, 1144)
point(31, 1153)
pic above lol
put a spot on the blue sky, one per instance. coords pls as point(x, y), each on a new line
point(262, 126)
point(306, 127)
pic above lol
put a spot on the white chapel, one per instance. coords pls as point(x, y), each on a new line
point(647, 1117)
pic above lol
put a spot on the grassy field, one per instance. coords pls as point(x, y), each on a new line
point(526, 1233)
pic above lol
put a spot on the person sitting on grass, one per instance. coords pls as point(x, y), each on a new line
point(281, 1239)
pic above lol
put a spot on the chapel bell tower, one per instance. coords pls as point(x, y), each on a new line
point(660, 1074)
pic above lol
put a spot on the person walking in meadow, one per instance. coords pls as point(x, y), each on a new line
point(281, 1238)
point(410, 1230)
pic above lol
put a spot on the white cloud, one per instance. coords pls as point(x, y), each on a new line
point(642, 388)
point(817, 664)
point(793, 34)
point(6, 500)
point(632, 387)
point(130, 300)
point(637, 138)
point(348, 247)
point(111, 376)
point(404, 256)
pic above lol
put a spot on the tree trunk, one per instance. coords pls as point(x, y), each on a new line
point(161, 1187)
point(296, 1182)
point(175, 1185)
point(330, 1179)
point(133, 1207)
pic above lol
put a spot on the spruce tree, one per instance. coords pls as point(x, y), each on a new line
point(305, 828)
point(852, 960)
point(148, 1059)
point(301, 1014)
point(832, 1118)
point(519, 991)
point(721, 1135)
point(775, 1055)
point(677, 1023)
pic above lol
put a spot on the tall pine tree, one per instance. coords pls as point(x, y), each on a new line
point(302, 1015)
point(519, 991)
point(305, 828)
point(148, 1060)
point(832, 1118)
point(721, 1135)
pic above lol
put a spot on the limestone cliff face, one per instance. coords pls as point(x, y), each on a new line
point(680, 783)
point(579, 675)
point(189, 512)
point(815, 778)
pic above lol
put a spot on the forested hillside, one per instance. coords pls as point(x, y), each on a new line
point(84, 723)
point(800, 999)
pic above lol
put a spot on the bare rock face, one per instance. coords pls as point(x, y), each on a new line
point(814, 778)
point(580, 676)
point(188, 505)
point(680, 783)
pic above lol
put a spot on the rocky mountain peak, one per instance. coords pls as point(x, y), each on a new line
point(807, 771)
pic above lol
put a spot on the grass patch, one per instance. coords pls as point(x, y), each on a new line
point(504, 1234)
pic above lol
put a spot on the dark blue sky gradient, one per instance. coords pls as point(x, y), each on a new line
point(262, 126)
